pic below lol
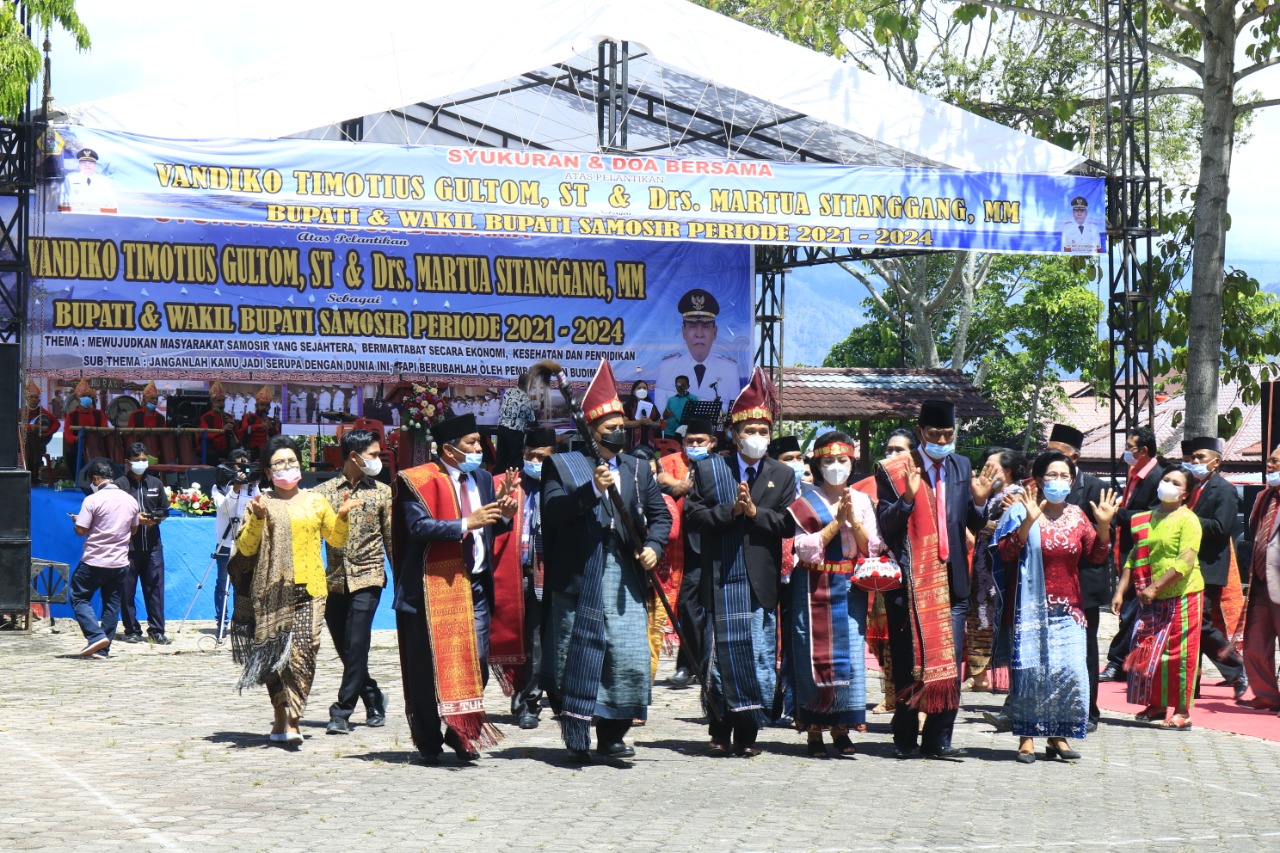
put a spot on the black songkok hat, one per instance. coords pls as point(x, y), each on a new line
point(1067, 435)
point(699, 426)
point(452, 429)
point(1203, 442)
point(783, 444)
point(937, 413)
point(540, 437)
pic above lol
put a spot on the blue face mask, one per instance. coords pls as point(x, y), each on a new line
point(1273, 479)
point(1056, 491)
point(697, 454)
point(471, 462)
point(1199, 470)
point(938, 452)
point(533, 469)
point(151, 406)
point(86, 401)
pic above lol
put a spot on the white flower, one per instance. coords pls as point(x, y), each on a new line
point(195, 487)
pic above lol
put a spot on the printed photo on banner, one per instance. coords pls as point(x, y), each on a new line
point(332, 403)
point(1081, 233)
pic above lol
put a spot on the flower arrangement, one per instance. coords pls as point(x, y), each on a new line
point(190, 500)
point(424, 407)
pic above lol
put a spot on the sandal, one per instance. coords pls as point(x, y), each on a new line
point(1173, 725)
point(816, 748)
point(843, 745)
point(1149, 715)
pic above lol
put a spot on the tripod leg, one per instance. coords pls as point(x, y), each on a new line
point(220, 636)
point(213, 559)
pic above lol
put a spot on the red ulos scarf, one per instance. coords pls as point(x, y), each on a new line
point(507, 653)
point(937, 684)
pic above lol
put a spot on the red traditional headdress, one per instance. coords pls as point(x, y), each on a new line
point(757, 401)
point(215, 390)
point(32, 388)
point(602, 394)
point(83, 389)
point(151, 390)
point(265, 395)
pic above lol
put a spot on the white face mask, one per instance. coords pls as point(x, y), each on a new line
point(370, 467)
point(138, 468)
point(754, 446)
point(1168, 491)
point(836, 475)
point(641, 393)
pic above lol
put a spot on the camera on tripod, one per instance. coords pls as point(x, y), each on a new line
point(232, 473)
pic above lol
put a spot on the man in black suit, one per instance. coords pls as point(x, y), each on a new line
point(466, 515)
point(676, 479)
point(1215, 501)
point(937, 468)
point(1140, 487)
point(595, 662)
point(739, 506)
point(1097, 580)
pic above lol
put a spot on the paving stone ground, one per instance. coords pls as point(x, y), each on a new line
point(153, 750)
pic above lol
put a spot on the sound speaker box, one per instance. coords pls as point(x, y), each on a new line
point(185, 409)
point(11, 405)
point(15, 575)
point(15, 498)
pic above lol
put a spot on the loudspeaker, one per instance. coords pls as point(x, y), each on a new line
point(185, 409)
point(15, 498)
point(11, 406)
point(15, 575)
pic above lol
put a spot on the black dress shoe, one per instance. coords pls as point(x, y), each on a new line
point(132, 638)
point(681, 677)
point(376, 711)
point(1113, 673)
point(751, 751)
point(428, 760)
point(943, 752)
point(903, 754)
point(161, 640)
point(337, 726)
point(527, 720)
point(616, 750)
point(1240, 686)
point(717, 750)
point(579, 756)
point(1091, 727)
point(465, 755)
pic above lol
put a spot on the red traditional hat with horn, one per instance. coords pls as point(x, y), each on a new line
point(602, 394)
point(757, 402)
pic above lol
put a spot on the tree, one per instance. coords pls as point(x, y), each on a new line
point(20, 62)
point(1205, 40)
point(1032, 320)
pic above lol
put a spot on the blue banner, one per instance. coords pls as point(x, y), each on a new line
point(321, 184)
point(182, 299)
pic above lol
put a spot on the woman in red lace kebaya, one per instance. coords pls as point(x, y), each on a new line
point(1047, 538)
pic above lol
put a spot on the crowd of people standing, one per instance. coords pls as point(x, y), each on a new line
point(780, 570)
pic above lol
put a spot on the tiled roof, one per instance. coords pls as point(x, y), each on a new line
point(1092, 415)
point(868, 393)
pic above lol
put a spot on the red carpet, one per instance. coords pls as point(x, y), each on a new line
point(1216, 709)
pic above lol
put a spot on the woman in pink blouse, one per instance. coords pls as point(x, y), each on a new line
point(1046, 539)
point(824, 615)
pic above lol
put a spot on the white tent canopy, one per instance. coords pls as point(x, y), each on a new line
point(523, 74)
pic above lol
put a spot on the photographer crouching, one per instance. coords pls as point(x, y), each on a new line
point(237, 486)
